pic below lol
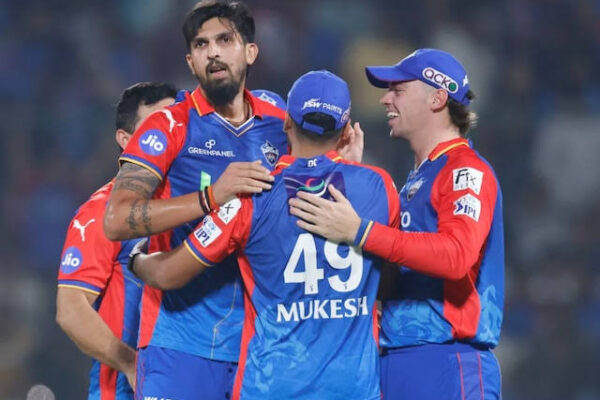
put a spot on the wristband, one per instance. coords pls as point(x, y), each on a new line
point(202, 199)
point(363, 232)
point(210, 197)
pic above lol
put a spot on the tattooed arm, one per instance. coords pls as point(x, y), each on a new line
point(131, 211)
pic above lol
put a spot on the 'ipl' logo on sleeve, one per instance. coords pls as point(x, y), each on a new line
point(153, 142)
point(314, 185)
point(468, 205)
point(71, 260)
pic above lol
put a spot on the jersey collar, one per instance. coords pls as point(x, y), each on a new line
point(203, 107)
point(445, 147)
point(286, 160)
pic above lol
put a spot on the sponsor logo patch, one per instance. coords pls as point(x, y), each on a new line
point(468, 205)
point(440, 79)
point(81, 228)
point(229, 210)
point(467, 178)
point(316, 103)
point(316, 185)
point(71, 260)
point(208, 232)
point(153, 142)
point(270, 152)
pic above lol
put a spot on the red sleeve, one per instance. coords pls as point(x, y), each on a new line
point(158, 140)
point(221, 232)
point(464, 195)
point(88, 256)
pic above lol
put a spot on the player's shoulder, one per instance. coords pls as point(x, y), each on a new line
point(467, 157)
point(176, 114)
point(368, 168)
point(268, 104)
point(95, 205)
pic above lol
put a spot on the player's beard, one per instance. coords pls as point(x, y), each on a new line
point(221, 92)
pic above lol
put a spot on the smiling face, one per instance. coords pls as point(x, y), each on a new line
point(408, 107)
point(219, 58)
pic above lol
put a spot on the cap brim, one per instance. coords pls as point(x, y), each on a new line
point(381, 76)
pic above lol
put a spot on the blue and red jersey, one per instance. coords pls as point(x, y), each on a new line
point(452, 287)
point(310, 328)
point(187, 146)
point(92, 263)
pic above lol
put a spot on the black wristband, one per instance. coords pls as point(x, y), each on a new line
point(203, 201)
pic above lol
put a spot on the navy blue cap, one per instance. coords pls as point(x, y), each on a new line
point(270, 97)
point(319, 91)
point(434, 67)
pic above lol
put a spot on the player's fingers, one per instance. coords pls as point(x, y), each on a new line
point(308, 227)
point(256, 183)
point(305, 216)
point(304, 206)
point(337, 195)
point(312, 199)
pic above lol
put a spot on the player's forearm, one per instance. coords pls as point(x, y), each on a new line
point(167, 270)
point(93, 337)
point(442, 255)
point(130, 216)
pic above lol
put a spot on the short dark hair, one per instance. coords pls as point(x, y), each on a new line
point(325, 121)
point(234, 11)
point(461, 115)
point(143, 93)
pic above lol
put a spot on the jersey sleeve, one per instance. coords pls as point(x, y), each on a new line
point(88, 256)
point(221, 232)
point(464, 196)
point(393, 203)
point(157, 142)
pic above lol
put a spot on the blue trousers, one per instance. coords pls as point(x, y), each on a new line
point(454, 371)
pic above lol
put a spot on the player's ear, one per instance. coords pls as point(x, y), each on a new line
point(287, 123)
point(439, 98)
point(190, 63)
point(122, 137)
point(346, 133)
point(251, 53)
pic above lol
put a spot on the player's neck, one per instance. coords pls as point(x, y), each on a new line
point(424, 143)
point(306, 150)
point(237, 111)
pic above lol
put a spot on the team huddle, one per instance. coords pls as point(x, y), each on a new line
point(244, 251)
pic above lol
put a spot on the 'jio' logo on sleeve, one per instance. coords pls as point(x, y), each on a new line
point(153, 142)
point(71, 260)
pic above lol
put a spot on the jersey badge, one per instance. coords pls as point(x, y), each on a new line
point(229, 210)
point(153, 142)
point(270, 152)
point(71, 260)
point(316, 185)
point(411, 190)
point(208, 232)
point(467, 178)
point(468, 205)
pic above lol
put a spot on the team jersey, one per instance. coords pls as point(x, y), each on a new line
point(310, 322)
point(92, 263)
point(454, 288)
point(187, 146)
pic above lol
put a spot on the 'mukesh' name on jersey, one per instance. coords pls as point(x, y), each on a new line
point(323, 309)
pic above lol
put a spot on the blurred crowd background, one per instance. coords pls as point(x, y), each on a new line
point(534, 64)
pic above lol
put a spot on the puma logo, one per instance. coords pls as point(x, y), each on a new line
point(77, 225)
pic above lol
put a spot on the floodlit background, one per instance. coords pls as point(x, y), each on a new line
point(535, 65)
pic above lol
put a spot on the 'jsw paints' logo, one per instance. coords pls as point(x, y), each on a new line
point(153, 142)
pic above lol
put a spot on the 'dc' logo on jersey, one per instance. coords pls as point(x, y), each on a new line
point(153, 142)
point(71, 260)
